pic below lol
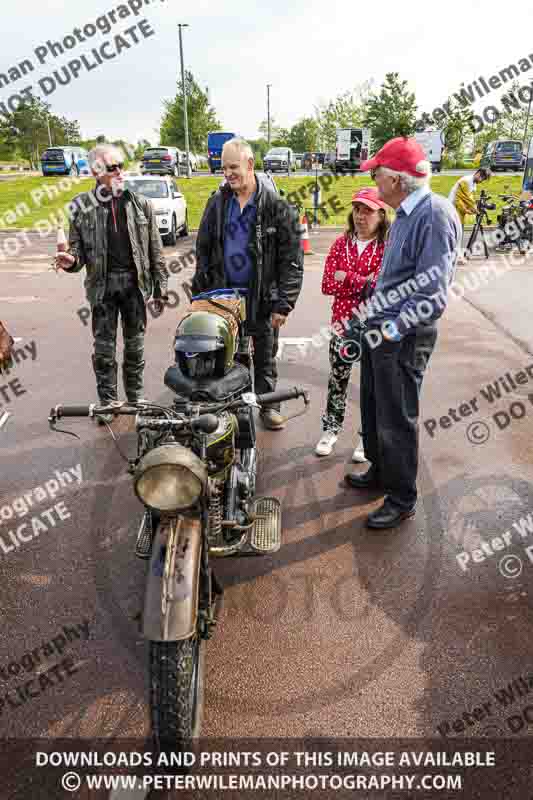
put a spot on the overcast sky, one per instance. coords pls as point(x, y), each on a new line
point(309, 54)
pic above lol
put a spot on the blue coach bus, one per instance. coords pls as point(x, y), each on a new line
point(215, 143)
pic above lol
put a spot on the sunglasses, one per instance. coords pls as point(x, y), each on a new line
point(114, 167)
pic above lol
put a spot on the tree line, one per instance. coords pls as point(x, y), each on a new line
point(388, 110)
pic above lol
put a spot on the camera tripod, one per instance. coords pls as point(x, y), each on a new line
point(481, 216)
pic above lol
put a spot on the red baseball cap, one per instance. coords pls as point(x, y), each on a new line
point(369, 197)
point(402, 155)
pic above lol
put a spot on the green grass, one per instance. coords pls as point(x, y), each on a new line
point(15, 192)
point(343, 188)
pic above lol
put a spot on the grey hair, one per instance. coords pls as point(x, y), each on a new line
point(410, 183)
point(97, 156)
point(241, 145)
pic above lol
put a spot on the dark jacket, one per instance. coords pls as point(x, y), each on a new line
point(88, 244)
point(274, 247)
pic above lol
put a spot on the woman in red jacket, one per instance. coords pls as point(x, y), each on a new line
point(353, 261)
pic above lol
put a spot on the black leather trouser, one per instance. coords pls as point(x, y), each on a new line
point(122, 297)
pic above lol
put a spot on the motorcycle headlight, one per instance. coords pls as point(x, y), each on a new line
point(170, 478)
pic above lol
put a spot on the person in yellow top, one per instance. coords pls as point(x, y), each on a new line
point(462, 194)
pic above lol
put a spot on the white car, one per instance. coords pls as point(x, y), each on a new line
point(169, 203)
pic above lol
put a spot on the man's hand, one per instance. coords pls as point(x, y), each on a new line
point(278, 320)
point(63, 261)
point(340, 275)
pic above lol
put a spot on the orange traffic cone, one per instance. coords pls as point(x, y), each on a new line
point(306, 244)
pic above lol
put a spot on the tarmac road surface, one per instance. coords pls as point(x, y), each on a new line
point(343, 632)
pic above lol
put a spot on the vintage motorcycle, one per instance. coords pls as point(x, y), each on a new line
point(195, 474)
point(514, 222)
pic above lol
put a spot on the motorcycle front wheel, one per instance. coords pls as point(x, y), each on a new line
point(177, 673)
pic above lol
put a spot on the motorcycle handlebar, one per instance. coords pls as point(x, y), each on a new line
point(71, 411)
point(206, 422)
point(280, 396)
point(91, 410)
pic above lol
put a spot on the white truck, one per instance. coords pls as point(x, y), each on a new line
point(433, 144)
point(353, 146)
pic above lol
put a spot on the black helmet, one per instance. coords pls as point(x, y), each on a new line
point(205, 345)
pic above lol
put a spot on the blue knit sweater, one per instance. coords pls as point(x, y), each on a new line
point(418, 265)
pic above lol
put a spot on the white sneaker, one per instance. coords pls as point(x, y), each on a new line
point(359, 453)
point(326, 443)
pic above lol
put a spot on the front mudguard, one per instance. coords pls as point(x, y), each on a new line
point(172, 585)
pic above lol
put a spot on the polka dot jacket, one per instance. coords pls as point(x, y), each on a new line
point(343, 256)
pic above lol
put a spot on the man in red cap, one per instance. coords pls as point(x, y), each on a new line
point(401, 319)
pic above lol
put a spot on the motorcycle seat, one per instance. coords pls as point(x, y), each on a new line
point(211, 390)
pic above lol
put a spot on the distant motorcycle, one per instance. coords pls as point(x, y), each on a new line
point(513, 221)
point(195, 474)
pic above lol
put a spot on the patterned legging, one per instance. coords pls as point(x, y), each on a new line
point(339, 378)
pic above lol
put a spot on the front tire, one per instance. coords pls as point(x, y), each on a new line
point(170, 238)
point(185, 228)
point(177, 674)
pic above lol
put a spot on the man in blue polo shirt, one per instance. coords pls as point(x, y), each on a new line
point(410, 296)
point(240, 221)
point(249, 237)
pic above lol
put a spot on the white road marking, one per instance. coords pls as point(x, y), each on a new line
point(4, 418)
point(21, 299)
point(303, 343)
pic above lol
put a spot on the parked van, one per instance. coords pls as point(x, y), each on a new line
point(503, 154)
point(68, 160)
point(280, 159)
point(433, 144)
point(353, 147)
point(215, 142)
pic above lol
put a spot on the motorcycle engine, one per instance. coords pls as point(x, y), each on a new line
point(220, 446)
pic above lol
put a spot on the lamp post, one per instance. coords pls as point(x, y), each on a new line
point(527, 116)
point(185, 120)
point(268, 113)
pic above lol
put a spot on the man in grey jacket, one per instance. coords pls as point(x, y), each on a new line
point(410, 296)
point(114, 235)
